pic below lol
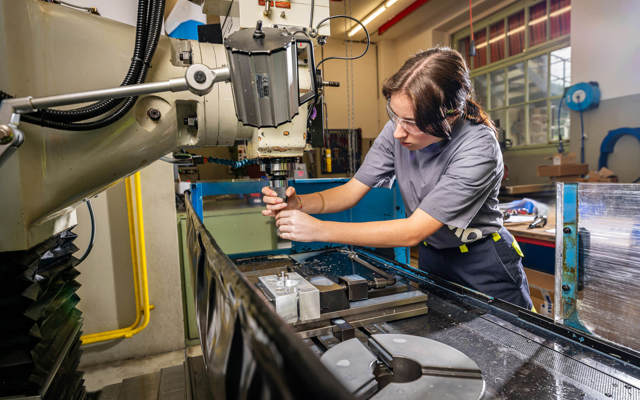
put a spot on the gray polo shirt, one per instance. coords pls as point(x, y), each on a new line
point(455, 181)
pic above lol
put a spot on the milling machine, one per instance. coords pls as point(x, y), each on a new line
point(253, 88)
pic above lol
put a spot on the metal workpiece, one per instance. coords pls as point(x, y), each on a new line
point(357, 287)
point(293, 297)
point(417, 368)
point(333, 296)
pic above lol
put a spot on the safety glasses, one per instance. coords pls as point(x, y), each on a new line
point(408, 125)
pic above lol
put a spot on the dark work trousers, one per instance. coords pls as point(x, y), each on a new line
point(491, 265)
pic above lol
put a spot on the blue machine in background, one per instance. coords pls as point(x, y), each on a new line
point(378, 205)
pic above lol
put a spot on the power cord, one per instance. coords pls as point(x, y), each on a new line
point(345, 58)
point(93, 233)
point(224, 23)
point(560, 145)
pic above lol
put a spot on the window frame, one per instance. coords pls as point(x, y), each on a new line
point(528, 53)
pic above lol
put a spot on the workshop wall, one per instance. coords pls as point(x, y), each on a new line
point(354, 103)
point(605, 48)
point(107, 299)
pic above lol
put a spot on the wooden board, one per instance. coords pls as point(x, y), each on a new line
point(533, 188)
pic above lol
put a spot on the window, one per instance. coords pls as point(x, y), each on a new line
point(521, 68)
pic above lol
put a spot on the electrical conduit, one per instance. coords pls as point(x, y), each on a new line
point(138, 249)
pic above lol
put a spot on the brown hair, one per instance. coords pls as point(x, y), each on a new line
point(437, 81)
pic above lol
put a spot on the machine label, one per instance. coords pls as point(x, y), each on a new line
point(262, 84)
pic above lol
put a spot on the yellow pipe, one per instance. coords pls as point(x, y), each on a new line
point(143, 259)
point(95, 337)
point(137, 249)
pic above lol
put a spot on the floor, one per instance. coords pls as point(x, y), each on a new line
point(101, 375)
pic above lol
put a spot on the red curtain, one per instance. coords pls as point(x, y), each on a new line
point(537, 30)
point(515, 24)
point(480, 38)
point(497, 48)
point(561, 23)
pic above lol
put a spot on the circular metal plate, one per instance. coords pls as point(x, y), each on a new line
point(422, 368)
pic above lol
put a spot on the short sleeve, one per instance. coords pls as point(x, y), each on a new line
point(471, 176)
point(378, 169)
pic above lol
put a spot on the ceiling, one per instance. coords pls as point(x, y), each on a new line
point(360, 9)
point(436, 13)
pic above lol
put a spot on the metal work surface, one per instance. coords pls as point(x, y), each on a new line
point(248, 349)
point(519, 363)
point(518, 356)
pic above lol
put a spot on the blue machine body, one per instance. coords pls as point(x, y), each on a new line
point(582, 96)
point(377, 205)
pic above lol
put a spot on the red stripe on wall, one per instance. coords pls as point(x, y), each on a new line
point(398, 17)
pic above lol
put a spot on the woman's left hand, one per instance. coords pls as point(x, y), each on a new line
point(298, 226)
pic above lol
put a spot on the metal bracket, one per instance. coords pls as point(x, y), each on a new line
point(10, 137)
point(198, 79)
point(571, 258)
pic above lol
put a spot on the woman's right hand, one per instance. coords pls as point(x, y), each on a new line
point(275, 204)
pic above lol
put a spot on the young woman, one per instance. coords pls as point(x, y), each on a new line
point(441, 148)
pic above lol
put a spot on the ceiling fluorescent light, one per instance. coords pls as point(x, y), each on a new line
point(355, 30)
point(538, 20)
point(496, 39)
point(516, 30)
point(373, 15)
point(558, 12)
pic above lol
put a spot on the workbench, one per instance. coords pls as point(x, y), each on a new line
point(538, 244)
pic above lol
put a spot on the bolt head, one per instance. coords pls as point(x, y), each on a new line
point(565, 287)
point(154, 114)
point(200, 76)
point(6, 134)
point(566, 230)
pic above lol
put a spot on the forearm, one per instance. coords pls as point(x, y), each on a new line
point(392, 233)
point(335, 199)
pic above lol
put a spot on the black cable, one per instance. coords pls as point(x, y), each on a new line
point(156, 13)
point(226, 17)
point(311, 18)
point(560, 146)
point(93, 233)
point(581, 139)
point(345, 58)
point(104, 106)
point(177, 161)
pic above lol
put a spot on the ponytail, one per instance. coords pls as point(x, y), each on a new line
point(474, 113)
